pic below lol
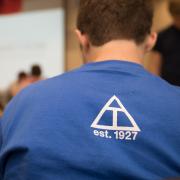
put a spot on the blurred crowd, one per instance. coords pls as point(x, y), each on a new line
point(23, 80)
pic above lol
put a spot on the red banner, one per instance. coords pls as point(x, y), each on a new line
point(10, 6)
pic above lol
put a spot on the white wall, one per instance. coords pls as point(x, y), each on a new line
point(28, 38)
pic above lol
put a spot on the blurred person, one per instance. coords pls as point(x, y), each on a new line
point(22, 82)
point(1, 109)
point(36, 73)
point(1, 96)
point(109, 119)
point(167, 50)
point(1, 104)
point(3, 99)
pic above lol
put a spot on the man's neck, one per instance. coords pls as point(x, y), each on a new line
point(117, 50)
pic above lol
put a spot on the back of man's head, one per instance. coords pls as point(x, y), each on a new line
point(107, 20)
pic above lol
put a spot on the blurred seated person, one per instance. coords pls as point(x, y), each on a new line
point(22, 82)
point(1, 109)
point(36, 73)
point(166, 56)
point(1, 104)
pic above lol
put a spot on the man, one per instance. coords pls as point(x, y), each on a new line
point(21, 82)
point(36, 73)
point(1, 109)
point(109, 119)
point(168, 47)
point(1, 104)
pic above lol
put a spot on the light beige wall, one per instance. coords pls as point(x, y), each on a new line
point(162, 17)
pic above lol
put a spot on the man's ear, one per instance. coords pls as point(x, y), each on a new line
point(150, 41)
point(83, 40)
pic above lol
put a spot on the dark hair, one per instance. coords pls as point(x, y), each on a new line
point(36, 70)
point(22, 75)
point(106, 20)
point(174, 7)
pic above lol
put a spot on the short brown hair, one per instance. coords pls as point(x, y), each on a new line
point(174, 7)
point(107, 20)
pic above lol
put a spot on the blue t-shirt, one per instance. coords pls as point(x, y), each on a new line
point(109, 120)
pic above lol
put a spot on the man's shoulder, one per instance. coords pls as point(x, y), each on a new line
point(160, 87)
point(48, 87)
point(73, 83)
point(164, 85)
point(168, 93)
point(41, 94)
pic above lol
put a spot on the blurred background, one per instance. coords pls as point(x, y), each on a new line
point(37, 41)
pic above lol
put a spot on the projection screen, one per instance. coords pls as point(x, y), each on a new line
point(31, 38)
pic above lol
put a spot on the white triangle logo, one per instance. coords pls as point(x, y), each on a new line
point(115, 111)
